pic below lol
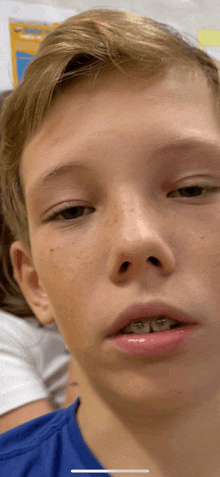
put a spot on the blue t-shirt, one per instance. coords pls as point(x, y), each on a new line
point(48, 446)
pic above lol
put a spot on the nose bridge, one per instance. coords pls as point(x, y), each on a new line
point(136, 236)
point(132, 216)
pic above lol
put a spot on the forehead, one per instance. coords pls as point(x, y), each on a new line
point(97, 96)
point(87, 115)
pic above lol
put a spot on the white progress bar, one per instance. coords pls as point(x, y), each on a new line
point(105, 471)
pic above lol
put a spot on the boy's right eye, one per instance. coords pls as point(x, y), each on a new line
point(69, 213)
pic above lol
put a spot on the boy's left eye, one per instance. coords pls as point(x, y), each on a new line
point(194, 191)
point(69, 213)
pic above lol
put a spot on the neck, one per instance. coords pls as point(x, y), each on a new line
point(181, 440)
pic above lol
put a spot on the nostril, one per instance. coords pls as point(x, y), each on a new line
point(124, 267)
point(154, 260)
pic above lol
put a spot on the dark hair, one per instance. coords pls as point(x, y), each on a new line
point(11, 298)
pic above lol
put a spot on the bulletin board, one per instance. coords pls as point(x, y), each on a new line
point(209, 40)
point(25, 40)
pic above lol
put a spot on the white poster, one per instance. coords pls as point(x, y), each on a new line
point(25, 13)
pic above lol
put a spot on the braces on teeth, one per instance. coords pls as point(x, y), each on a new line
point(159, 324)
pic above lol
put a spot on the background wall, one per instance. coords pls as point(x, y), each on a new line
point(187, 16)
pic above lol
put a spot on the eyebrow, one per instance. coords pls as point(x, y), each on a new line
point(177, 146)
point(57, 171)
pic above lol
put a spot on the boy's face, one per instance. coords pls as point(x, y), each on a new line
point(122, 139)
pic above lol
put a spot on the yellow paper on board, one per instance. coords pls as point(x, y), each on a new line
point(209, 40)
point(25, 41)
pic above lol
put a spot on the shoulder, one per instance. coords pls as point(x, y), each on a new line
point(50, 445)
point(36, 360)
point(27, 436)
point(17, 329)
point(30, 438)
point(27, 331)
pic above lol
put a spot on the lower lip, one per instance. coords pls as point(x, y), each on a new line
point(154, 344)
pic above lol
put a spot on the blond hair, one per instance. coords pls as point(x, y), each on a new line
point(81, 46)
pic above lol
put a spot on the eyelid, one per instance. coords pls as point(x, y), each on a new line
point(197, 180)
point(210, 189)
point(62, 208)
point(201, 182)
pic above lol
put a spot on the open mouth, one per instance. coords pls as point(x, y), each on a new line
point(151, 317)
point(157, 324)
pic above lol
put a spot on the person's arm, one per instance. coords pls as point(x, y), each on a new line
point(40, 407)
point(24, 394)
point(25, 413)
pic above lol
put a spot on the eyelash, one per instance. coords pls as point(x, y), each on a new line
point(208, 189)
point(56, 213)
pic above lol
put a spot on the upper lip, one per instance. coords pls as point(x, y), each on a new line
point(150, 311)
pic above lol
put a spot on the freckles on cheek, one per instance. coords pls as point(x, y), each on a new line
point(58, 269)
point(46, 260)
point(66, 287)
point(64, 267)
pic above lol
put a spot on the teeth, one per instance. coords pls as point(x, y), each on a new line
point(163, 323)
point(138, 327)
point(160, 323)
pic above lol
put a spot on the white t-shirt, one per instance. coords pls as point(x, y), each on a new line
point(33, 362)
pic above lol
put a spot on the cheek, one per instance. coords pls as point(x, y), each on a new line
point(59, 260)
point(62, 274)
point(69, 277)
point(66, 290)
point(210, 268)
point(206, 260)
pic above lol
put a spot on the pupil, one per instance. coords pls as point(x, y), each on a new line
point(188, 191)
point(76, 211)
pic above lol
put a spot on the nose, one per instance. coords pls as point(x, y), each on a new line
point(139, 243)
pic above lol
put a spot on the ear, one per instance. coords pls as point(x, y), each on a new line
point(29, 283)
